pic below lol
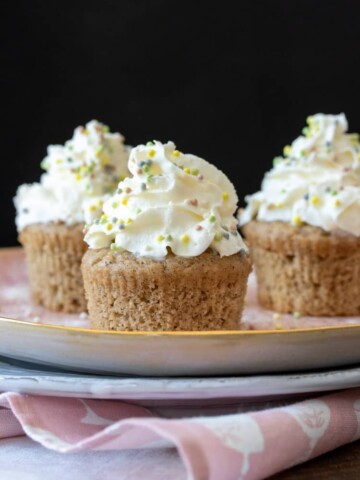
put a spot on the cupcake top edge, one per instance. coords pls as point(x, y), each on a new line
point(315, 182)
point(78, 178)
point(173, 202)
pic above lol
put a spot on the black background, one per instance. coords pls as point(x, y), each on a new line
point(229, 81)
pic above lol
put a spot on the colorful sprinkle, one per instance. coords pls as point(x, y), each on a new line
point(149, 144)
point(287, 150)
point(129, 220)
point(121, 226)
point(276, 316)
point(128, 190)
point(143, 187)
point(314, 200)
point(337, 203)
point(212, 219)
point(115, 204)
point(193, 202)
point(187, 170)
point(218, 236)
point(169, 238)
point(185, 238)
point(146, 168)
point(124, 201)
point(201, 177)
point(198, 228)
point(296, 314)
point(297, 220)
point(119, 191)
point(93, 208)
point(176, 153)
point(194, 171)
point(152, 153)
point(139, 171)
point(160, 238)
point(225, 196)
point(109, 226)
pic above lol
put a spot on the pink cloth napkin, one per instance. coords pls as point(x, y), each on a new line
point(238, 446)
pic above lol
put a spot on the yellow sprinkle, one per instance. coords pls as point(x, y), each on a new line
point(120, 221)
point(59, 160)
point(129, 220)
point(152, 153)
point(185, 238)
point(92, 208)
point(77, 177)
point(104, 217)
point(109, 226)
point(85, 131)
point(100, 203)
point(279, 205)
point(276, 316)
point(176, 153)
point(160, 238)
point(297, 220)
point(287, 150)
point(315, 200)
point(225, 196)
point(105, 159)
point(124, 201)
point(187, 170)
point(115, 204)
point(337, 202)
point(310, 119)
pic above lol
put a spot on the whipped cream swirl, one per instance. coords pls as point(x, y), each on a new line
point(317, 182)
point(79, 177)
point(174, 201)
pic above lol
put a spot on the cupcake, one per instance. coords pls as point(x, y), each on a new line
point(303, 227)
point(51, 214)
point(166, 253)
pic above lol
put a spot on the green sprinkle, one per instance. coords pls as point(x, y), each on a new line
point(106, 128)
point(277, 161)
point(334, 192)
point(212, 219)
point(218, 236)
point(146, 168)
point(168, 238)
point(149, 144)
point(138, 211)
point(149, 177)
point(43, 165)
point(194, 171)
point(296, 314)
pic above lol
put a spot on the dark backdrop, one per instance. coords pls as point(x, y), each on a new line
point(231, 86)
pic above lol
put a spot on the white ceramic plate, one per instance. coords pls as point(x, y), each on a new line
point(167, 353)
point(32, 379)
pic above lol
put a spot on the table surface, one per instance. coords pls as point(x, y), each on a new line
point(342, 463)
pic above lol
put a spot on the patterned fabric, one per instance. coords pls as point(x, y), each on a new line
point(238, 446)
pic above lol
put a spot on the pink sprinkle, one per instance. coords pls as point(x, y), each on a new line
point(198, 228)
point(201, 177)
point(128, 190)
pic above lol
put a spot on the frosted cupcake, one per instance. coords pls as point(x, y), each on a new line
point(166, 254)
point(303, 227)
point(80, 176)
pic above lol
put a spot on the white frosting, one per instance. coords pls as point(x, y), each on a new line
point(79, 177)
point(317, 182)
point(173, 201)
